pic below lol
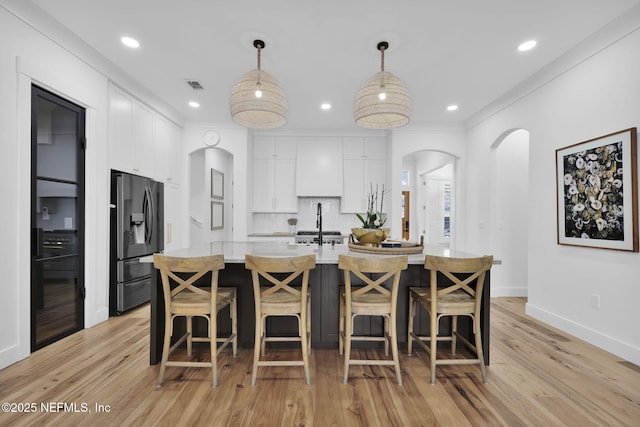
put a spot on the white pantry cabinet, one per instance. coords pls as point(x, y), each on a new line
point(167, 148)
point(274, 173)
point(363, 166)
point(130, 134)
point(319, 171)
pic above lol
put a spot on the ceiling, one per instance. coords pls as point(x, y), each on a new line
point(460, 52)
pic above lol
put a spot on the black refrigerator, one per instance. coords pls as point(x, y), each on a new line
point(136, 230)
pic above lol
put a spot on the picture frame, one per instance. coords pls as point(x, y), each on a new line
point(217, 215)
point(217, 184)
point(597, 192)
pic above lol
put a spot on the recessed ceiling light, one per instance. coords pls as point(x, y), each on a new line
point(528, 45)
point(194, 104)
point(325, 106)
point(452, 107)
point(130, 42)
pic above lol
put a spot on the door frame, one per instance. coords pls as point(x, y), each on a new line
point(40, 92)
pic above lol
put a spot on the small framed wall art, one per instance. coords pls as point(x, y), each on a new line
point(217, 184)
point(217, 215)
point(597, 192)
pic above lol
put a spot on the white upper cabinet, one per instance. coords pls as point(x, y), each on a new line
point(167, 148)
point(142, 141)
point(319, 167)
point(274, 173)
point(130, 134)
point(364, 166)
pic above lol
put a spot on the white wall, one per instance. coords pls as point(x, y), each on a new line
point(509, 191)
point(588, 94)
point(25, 58)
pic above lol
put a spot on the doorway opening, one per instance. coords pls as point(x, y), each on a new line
point(437, 186)
point(406, 214)
point(57, 217)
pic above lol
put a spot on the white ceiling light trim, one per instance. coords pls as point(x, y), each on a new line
point(257, 101)
point(383, 102)
point(528, 45)
point(130, 42)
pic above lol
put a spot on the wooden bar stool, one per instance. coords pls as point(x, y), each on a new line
point(455, 289)
point(275, 297)
point(188, 300)
point(372, 299)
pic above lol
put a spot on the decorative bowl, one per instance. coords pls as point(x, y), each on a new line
point(370, 236)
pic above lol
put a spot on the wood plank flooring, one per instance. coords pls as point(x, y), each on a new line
point(538, 376)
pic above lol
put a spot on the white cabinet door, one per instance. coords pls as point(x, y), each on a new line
point(375, 148)
point(263, 185)
point(171, 211)
point(274, 174)
point(144, 157)
point(353, 198)
point(286, 199)
point(353, 147)
point(167, 150)
point(131, 134)
point(364, 166)
point(120, 135)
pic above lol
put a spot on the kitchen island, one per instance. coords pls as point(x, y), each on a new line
point(324, 282)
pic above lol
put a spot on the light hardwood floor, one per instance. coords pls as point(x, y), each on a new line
point(538, 377)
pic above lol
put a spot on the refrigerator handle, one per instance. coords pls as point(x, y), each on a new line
point(147, 209)
point(119, 217)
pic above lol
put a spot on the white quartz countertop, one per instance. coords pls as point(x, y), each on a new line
point(234, 252)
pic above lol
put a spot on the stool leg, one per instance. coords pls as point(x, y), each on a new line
point(433, 341)
point(387, 336)
point(257, 347)
point(347, 343)
point(479, 351)
point(213, 334)
point(410, 317)
point(341, 327)
point(305, 348)
point(394, 349)
point(168, 331)
point(454, 330)
point(233, 307)
point(189, 335)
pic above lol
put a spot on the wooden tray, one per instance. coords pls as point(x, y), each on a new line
point(405, 248)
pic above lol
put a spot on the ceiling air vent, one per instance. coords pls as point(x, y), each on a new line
point(194, 84)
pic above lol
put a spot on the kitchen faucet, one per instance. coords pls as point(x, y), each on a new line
point(319, 223)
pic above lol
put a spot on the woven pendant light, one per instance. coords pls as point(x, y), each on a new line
point(257, 101)
point(383, 102)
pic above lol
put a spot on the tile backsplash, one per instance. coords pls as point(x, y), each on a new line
point(332, 219)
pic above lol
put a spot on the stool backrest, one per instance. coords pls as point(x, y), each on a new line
point(383, 268)
point(461, 272)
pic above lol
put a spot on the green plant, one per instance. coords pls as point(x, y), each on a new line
point(374, 218)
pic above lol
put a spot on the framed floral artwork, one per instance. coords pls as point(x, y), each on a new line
point(597, 192)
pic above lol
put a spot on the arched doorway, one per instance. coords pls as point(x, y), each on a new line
point(431, 185)
point(210, 196)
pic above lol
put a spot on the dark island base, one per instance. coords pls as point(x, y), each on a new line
point(324, 281)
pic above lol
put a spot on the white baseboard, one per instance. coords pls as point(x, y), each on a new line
point(509, 292)
point(10, 355)
point(607, 343)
